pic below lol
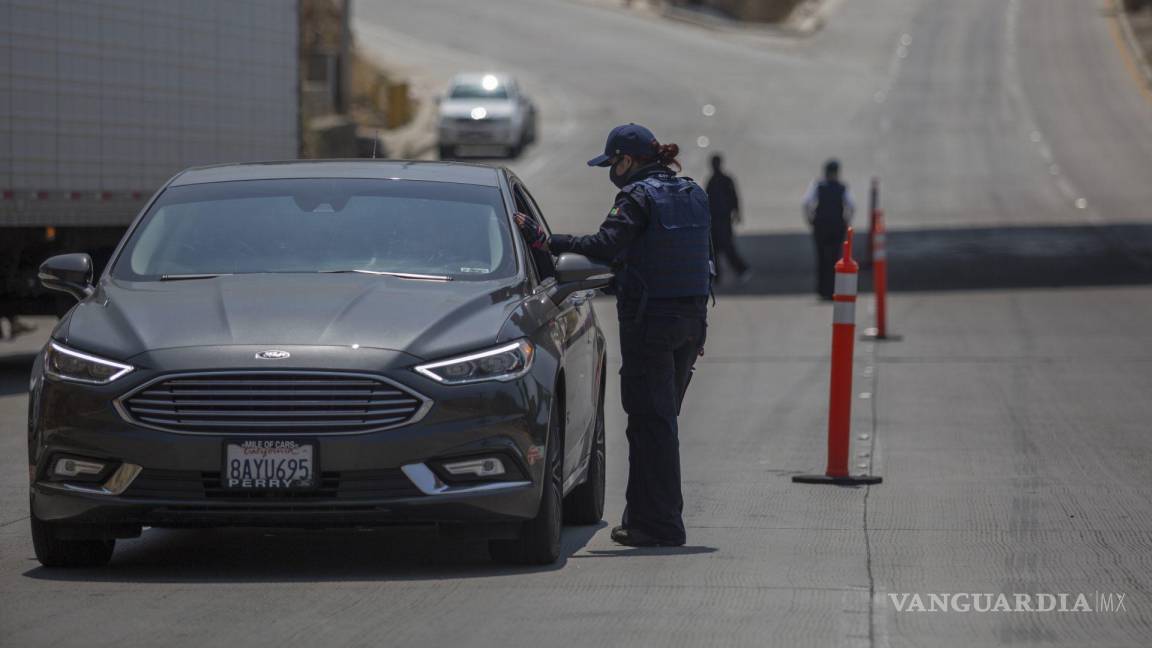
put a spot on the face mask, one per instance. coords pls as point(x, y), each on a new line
point(620, 180)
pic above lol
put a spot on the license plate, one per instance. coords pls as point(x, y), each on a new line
point(269, 464)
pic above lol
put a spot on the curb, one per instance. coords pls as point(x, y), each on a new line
point(412, 141)
point(422, 136)
point(418, 138)
point(809, 16)
point(807, 19)
point(1138, 54)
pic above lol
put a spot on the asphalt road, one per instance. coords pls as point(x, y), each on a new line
point(1012, 424)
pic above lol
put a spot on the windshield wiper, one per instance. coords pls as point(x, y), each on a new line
point(401, 275)
point(182, 277)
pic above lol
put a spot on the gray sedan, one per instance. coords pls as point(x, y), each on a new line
point(485, 114)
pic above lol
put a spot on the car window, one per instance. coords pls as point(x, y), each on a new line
point(477, 91)
point(539, 215)
point(319, 225)
point(542, 261)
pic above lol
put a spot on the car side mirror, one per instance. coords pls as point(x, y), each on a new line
point(70, 273)
point(575, 272)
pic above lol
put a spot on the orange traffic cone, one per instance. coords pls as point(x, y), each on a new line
point(840, 394)
point(880, 282)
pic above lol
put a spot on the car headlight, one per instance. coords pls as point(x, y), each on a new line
point(506, 362)
point(66, 364)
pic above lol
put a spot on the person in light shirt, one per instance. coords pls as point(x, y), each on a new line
point(828, 207)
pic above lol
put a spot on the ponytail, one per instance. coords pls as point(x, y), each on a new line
point(666, 155)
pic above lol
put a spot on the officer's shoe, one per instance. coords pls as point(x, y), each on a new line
point(637, 538)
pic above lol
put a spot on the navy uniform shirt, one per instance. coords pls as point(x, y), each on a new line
point(626, 220)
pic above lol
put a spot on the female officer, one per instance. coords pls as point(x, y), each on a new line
point(657, 236)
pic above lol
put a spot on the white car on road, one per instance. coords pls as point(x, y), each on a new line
point(485, 114)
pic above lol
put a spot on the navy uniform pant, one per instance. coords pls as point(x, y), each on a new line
point(658, 354)
point(829, 242)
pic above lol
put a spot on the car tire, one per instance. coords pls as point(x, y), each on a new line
point(585, 504)
point(52, 551)
point(539, 540)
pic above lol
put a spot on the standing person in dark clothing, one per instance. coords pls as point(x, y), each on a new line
point(829, 208)
point(725, 204)
point(657, 237)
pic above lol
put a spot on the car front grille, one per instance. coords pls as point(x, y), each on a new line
point(272, 403)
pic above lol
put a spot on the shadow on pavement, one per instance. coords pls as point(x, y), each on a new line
point(302, 555)
point(632, 552)
point(15, 371)
point(964, 259)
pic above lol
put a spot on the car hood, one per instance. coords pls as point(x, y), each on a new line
point(496, 108)
point(426, 319)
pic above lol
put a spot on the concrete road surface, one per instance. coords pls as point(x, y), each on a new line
point(1012, 424)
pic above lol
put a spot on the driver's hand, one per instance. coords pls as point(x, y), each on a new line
point(534, 234)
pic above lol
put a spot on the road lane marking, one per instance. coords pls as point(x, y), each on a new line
point(894, 67)
point(1012, 80)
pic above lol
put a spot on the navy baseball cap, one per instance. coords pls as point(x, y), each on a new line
point(630, 139)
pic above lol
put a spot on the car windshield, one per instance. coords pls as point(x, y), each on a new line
point(454, 231)
point(477, 91)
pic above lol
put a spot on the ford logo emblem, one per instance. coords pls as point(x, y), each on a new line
point(273, 354)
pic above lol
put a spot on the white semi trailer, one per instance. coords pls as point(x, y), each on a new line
point(101, 101)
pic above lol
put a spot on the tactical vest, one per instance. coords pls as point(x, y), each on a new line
point(830, 203)
point(670, 258)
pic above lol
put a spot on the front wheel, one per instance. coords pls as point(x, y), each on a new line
point(539, 541)
point(54, 551)
point(585, 504)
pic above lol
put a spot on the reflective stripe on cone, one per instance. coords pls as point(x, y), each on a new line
point(846, 284)
point(844, 312)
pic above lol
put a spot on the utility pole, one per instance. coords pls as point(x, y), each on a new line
point(343, 64)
